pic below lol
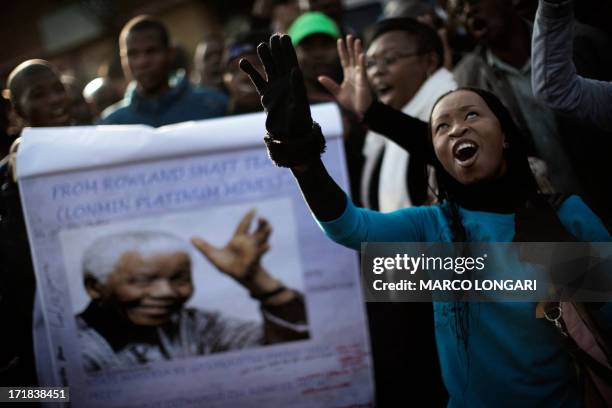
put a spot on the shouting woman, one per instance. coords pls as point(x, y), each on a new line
point(491, 354)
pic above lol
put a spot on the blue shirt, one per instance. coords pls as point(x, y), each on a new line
point(510, 358)
point(180, 103)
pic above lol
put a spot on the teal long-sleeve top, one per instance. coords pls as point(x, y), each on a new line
point(510, 357)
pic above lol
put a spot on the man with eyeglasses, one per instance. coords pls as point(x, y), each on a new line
point(404, 67)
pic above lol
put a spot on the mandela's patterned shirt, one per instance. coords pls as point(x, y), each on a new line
point(192, 332)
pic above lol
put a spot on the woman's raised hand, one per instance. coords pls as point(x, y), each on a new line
point(283, 94)
point(354, 93)
point(293, 139)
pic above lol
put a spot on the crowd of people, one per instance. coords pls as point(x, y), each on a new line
point(461, 118)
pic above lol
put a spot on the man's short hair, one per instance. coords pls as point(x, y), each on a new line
point(101, 257)
point(426, 37)
point(144, 23)
point(17, 79)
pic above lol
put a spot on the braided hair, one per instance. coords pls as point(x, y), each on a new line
point(452, 193)
point(517, 191)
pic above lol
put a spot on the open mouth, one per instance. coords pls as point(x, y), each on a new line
point(465, 153)
point(478, 27)
point(383, 89)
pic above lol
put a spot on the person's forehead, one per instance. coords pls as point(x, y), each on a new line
point(144, 38)
point(38, 79)
point(318, 40)
point(396, 40)
point(456, 102)
point(135, 258)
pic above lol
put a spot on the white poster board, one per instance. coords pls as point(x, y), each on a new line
point(196, 179)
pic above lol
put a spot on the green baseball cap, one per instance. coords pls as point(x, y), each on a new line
point(312, 22)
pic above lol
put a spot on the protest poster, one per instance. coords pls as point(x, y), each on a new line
point(131, 313)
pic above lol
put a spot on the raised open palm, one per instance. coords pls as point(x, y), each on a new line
point(354, 93)
point(242, 253)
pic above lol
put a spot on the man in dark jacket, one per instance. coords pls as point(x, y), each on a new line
point(154, 98)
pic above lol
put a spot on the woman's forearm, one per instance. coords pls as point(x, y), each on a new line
point(407, 132)
point(325, 198)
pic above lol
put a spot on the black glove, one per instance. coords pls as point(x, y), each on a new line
point(293, 137)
